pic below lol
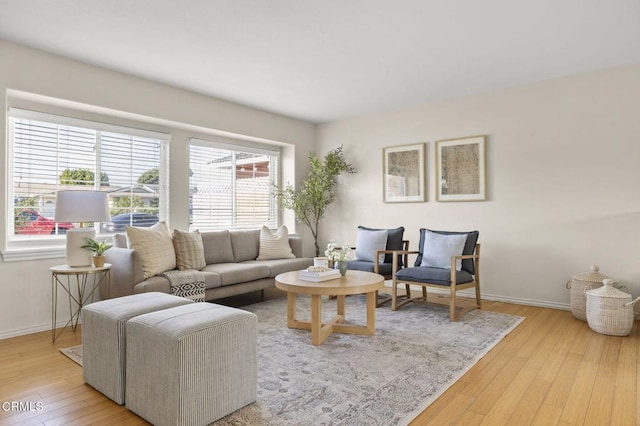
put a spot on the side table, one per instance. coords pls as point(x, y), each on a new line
point(69, 278)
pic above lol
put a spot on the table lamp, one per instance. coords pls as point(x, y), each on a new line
point(81, 206)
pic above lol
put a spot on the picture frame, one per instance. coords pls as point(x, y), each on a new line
point(461, 169)
point(403, 174)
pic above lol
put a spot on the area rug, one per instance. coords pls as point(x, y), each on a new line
point(74, 353)
point(386, 379)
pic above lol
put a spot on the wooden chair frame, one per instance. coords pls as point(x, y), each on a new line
point(453, 288)
point(376, 266)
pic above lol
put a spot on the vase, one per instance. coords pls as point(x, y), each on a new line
point(98, 261)
point(342, 267)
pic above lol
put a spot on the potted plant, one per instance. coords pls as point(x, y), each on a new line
point(98, 247)
point(317, 192)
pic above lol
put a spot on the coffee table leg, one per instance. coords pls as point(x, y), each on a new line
point(316, 319)
point(371, 312)
point(340, 305)
point(291, 309)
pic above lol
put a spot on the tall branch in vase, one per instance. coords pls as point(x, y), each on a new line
point(317, 192)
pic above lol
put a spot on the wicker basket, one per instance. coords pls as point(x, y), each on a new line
point(578, 284)
point(609, 310)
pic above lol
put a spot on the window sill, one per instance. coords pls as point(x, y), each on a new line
point(23, 254)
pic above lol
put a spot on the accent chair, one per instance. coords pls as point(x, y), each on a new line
point(446, 260)
point(378, 256)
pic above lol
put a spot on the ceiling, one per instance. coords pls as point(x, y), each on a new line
point(327, 60)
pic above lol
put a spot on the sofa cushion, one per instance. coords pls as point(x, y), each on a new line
point(217, 247)
point(233, 273)
point(155, 247)
point(394, 242)
point(246, 244)
point(369, 242)
point(280, 266)
point(433, 275)
point(274, 246)
point(189, 250)
point(438, 249)
point(469, 247)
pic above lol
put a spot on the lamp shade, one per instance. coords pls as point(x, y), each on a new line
point(82, 206)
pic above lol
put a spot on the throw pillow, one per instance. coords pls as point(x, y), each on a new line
point(275, 246)
point(155, 247)
point(369, 242)
point(438, 249)
point(189, 250)
point(469, 247)
point(394, 241)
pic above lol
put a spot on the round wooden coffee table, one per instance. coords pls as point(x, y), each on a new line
point(354, 282)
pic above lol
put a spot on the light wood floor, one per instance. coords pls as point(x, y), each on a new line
point(552, 369)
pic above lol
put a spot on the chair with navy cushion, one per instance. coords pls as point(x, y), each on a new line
point(374, 253)
point(446, 260)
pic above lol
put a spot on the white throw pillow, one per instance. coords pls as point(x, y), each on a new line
point(155, 247)
point(369, 242)
point(275, 246)
point(438, 249)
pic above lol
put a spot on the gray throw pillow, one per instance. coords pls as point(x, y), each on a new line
point(368, 243)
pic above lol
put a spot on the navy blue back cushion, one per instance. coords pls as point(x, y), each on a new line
point(394, 241)
point(469, 247)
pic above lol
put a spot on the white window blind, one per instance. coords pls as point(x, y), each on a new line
point(49, 153)
point(232, 186)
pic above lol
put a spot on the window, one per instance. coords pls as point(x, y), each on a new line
point(51, 153)
point(232, 187)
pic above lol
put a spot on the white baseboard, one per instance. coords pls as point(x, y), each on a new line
point(34, 329)
point(497, 298)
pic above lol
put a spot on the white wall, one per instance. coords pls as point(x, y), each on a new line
point(25, 287)
point(563, 181)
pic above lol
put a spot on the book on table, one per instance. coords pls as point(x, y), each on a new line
point(319, 276)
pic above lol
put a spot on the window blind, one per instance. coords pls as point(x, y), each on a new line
point(49, 153)
point(232, 186)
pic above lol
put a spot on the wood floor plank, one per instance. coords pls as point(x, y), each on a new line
point(547, 415)
point(575, 409)
point(564, 380)
point(625, 404)
point(601, 401)
point(526, 410)
point(511, 397)
point(489, 396)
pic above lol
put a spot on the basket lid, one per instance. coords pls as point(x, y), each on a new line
point(591, 277)
point(608, 291)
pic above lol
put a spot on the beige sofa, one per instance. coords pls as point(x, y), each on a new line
point(231, 267)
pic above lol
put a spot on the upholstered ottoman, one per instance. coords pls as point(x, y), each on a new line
point(192, 364)
point(103, 338)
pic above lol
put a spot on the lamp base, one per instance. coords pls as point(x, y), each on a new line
point(76, 238)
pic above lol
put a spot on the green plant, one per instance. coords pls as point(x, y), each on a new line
point(317, 192)
point(98, 247)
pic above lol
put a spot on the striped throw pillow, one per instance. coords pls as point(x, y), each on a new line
point(189, 250)
point(275, 246)
point(154, 246)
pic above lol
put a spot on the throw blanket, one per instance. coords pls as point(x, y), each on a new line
point(189, 284)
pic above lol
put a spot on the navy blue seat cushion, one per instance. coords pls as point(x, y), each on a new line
point(361, 265)
point(394, 241)
point(432, 275)
point(468, 265)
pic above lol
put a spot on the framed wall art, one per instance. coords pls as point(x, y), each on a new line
point(404, 174)
point(461, 169)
